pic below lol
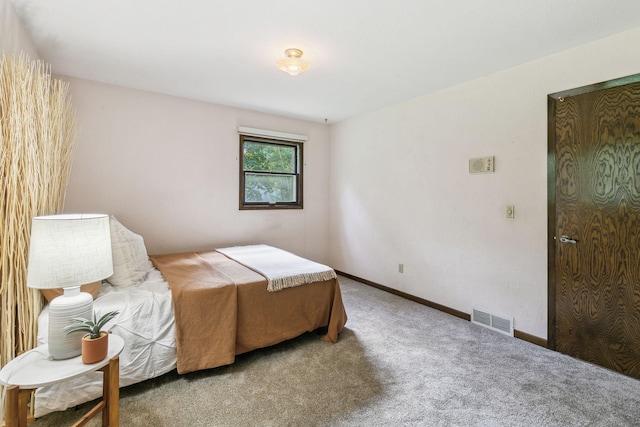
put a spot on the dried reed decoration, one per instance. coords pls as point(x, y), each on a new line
point(37, 131)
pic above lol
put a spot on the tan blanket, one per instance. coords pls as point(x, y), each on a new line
point(223, 309)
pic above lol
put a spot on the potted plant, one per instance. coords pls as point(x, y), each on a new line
point(95, 343)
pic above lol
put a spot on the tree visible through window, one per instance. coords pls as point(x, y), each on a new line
point(270, 173)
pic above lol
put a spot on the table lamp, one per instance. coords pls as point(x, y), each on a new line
point(67, 251)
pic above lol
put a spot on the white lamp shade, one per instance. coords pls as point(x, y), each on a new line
point(69, 250)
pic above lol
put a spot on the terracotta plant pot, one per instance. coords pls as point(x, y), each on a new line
point(95, 350)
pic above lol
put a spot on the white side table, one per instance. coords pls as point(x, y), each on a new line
point(34, 369)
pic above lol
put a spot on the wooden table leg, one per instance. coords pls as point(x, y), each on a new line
point(12, 406)
point(24, 398)
point(16, 406)
point(111, 393)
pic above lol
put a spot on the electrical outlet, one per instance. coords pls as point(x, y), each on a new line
point(400, 268)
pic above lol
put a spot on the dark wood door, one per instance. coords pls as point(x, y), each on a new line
point(595, 232)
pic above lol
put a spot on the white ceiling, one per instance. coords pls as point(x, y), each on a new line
point(364, 54)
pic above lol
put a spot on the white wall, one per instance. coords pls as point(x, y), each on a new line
point(168, 168)
point(13, 36)
point(401, 191)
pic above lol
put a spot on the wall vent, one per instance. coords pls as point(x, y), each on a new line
point(502, 324)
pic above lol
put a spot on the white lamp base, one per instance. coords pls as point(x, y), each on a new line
point(71, 304)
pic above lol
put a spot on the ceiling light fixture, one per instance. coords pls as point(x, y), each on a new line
point(293, 64)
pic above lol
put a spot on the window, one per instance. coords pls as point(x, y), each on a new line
point(270, 173)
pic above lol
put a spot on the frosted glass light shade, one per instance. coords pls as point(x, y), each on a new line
point(293, 64)
point(69, 250)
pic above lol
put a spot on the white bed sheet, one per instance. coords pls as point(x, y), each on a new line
point(145, 322)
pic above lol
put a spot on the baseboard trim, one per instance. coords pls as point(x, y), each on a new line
point(530, 338)
point(517, 334)
point(410, 297)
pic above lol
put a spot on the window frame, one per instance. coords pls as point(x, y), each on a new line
point(298, 145)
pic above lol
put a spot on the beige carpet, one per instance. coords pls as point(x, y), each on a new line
point(398, 363)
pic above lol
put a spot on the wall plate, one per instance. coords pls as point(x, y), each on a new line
point(510, 211)
point(481, 165)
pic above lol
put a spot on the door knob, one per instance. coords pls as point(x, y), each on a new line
point(567, 239)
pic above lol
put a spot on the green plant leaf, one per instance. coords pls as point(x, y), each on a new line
point(92, 327)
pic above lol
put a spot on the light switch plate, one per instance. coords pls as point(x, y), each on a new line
point(510, 212)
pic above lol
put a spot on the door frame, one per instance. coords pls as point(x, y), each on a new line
point(552, 100)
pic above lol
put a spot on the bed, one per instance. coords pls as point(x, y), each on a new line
point(195, 310)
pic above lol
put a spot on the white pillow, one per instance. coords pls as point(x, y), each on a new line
point(130, 259)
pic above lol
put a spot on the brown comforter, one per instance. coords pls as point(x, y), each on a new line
point(223, 309)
